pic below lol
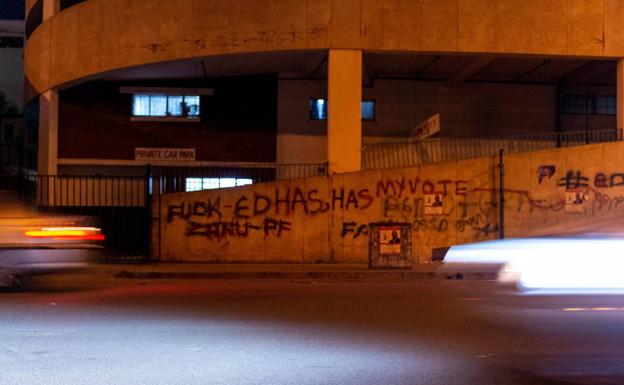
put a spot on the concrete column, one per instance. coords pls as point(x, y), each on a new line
point(344, 115)
point(620, 97)
point(50, 8)
point(48, 133)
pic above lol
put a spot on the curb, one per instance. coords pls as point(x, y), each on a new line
point(339, 275)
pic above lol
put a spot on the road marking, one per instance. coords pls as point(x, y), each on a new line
point(586, 309)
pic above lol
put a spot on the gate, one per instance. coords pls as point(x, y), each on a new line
point(122, 204)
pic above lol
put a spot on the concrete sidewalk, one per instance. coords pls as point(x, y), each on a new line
point(285, 271)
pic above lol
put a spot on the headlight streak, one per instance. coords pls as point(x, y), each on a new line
point(586, 265)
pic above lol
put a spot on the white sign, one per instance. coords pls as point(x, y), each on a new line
point(165, 154)
point(427, 128)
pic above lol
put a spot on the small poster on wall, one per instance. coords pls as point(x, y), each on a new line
point(390, 240)
point(575, 199)
point(433, 204)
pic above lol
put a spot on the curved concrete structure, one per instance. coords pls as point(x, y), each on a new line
point(312, 83)
point(98, 36)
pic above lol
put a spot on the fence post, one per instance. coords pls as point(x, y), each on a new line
point(501, 177)
point(148, 206)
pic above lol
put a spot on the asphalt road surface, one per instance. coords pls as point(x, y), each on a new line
point(98, 330)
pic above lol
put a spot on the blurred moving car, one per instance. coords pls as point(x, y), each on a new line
point(588, 263)
point(32, 243)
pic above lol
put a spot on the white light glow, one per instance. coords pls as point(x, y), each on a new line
point(197, 184)
point(562, 265)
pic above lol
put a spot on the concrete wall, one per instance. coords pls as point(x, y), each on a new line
point(326, 219)
point(471, 109)
point(101, 35)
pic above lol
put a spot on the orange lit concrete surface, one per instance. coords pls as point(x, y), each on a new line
point(327, 219)
point(487, 68)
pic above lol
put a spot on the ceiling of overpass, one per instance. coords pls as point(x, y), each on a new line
point(450, 68)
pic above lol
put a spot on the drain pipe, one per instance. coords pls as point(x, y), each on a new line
point(501, 192)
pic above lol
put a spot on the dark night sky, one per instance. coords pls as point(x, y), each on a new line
point(12, 9)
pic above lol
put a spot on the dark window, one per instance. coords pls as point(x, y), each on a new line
point(589, 105)
point(576, 104)
point(8, 133)
point(70, 3)
point(12, 10)
point(605, 105)
point(11, 42)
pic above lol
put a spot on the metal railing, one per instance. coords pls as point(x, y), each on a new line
point(123, 203)
point(412, 153)
point(174, 179)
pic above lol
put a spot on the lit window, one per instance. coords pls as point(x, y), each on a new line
point(197, 184)
point(368, 110)
point(158, 105)
point(192, 105)
point(175, 105)
point(165, 106)
point(141, 105)
point(318, 109)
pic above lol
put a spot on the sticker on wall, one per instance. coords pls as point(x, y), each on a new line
point(545, 172)
point(390, 240)
point(433, 204)
point(575, 199)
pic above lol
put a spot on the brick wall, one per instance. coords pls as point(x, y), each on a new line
point(238, 122)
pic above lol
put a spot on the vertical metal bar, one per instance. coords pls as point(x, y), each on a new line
point(501, 190)
point(559, 101)
point(147, 203)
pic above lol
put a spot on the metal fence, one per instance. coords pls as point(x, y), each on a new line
point(123, 203)
point(411, 153)
point(174, 179)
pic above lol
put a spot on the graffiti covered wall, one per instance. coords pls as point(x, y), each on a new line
point(326, 219)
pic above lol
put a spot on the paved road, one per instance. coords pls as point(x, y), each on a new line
point(98, 330)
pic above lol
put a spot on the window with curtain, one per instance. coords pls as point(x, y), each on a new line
point(165, 107)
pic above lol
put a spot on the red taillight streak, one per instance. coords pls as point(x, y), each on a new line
point(83, 238)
